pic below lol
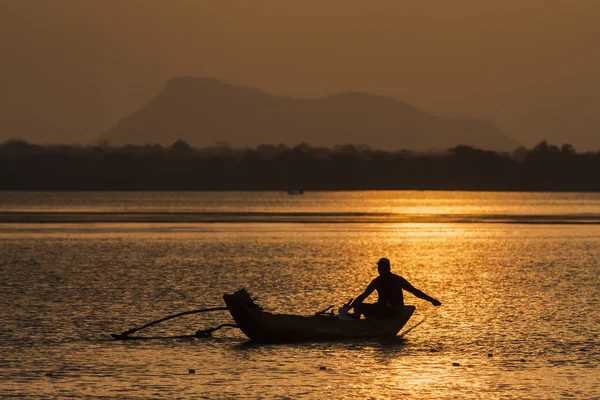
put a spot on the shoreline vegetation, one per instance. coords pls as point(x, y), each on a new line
point(545, 167)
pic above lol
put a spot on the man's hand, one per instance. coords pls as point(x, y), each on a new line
point(436, 302)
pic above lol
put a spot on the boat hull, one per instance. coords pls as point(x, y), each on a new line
point(266, 327)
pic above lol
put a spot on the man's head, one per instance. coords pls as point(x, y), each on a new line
point(383, 266)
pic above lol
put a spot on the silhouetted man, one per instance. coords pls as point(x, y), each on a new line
point(389, 288)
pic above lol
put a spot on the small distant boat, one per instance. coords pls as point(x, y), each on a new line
point(266, 327)
point(295, 191)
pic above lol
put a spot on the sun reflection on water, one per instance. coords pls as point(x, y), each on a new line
point(509, 293)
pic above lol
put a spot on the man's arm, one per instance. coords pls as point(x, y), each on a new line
point(410, 288)
point(363, 296)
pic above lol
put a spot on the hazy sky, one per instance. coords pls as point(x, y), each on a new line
point(70, 68)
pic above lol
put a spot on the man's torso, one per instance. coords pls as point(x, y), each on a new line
point(389, 289)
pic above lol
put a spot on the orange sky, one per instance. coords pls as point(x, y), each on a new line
point(71, 68)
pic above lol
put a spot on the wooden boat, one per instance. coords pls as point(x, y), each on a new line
point(266, 327)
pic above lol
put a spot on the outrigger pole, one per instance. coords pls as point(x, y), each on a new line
point(200, 333)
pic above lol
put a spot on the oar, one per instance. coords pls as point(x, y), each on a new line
point(123, 336)
point(420, 322)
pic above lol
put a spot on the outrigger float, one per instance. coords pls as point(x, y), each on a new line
point(265, 327)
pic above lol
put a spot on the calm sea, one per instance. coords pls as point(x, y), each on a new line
point(517, 273)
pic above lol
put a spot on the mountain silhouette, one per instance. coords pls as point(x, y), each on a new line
point(204, 111)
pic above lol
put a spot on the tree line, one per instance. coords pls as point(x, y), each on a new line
point(545, 167)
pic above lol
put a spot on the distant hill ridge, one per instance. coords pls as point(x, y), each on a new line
point(203, 111)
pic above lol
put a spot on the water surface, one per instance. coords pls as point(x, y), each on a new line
point(520, 301)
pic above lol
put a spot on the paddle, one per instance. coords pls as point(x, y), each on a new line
point(324, 312)
point(124, 335)
point(420, 322)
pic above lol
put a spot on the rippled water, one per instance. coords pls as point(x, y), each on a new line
point(520, 306)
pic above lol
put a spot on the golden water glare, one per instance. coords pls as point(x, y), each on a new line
point(516, 291)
